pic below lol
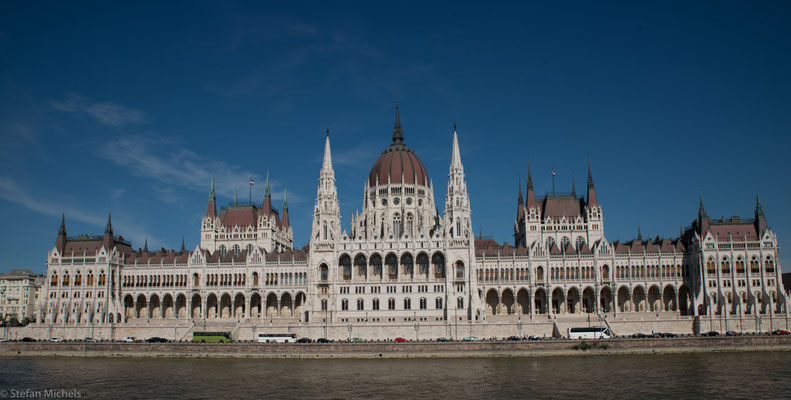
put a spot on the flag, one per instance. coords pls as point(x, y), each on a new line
point(252, 182)
point(553, 173)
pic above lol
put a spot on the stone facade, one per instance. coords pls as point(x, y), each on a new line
point(403, 268)
point(19, 291)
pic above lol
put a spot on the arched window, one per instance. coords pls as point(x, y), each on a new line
point(422, 263)
point(550, 241)
point(710, 267)
point(397, 225)
point(605, 272)
point(580, 243)
point(739, 266)
point(255, 278)
point(459, 270)
point(360, 265)
point(564, 242)
point(195, 280)
point(726, 266)
point(346, 266)
point(376, 264)
point(438, 262)
point(236, 250)
point(324, 230)
point(406, 263)
point(392, 266)
point(54, 281)
point(324, 272)
point(409, 223)
point(540, 274)
point(769, 265)
point(755, 266)
point(460, 303)
point(438, 303)
point(458, 227)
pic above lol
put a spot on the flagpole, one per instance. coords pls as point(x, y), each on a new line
point(251, 191)
point(553, 181)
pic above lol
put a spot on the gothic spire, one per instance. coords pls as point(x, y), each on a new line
point(531, 195)
point(398, 134)
point(759, 211)
point(62, 230)
point(327, 164)
point(145, 246)
point(591, 190)
point(284, 220)
point(211, 207)
point(108, 230)
point(520, 204)
point(573, 188)
point(639, 235)
point(455, 161)
point(702, 209)
point(183, 249)
point(268, 192)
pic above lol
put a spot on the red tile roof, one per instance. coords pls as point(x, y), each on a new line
point(556, 207)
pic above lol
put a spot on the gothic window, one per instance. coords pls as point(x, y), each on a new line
point(236, 250)
point(726, 266)
point(422, 262)
point(769, 265)
point(550, 242)
point(344, 304)
point(375, 304)
point(540, 274)
point(324, 305)
point(460, 303)
point(564, 242)
point(438, 303)
point(346, 265)
point(324, 230)
point(376, 264)
point(359, 263)
point(397, 225)
point(459, 270)
point(409, 220)
point(360, 305)
point(580, 243)
point(458, 227)
point(324, 271)
point(406, 262)
point(391, 304)
point(222, 250)
point(423, 303)
point(392, 266)
point(439, 265)
point(407, 304)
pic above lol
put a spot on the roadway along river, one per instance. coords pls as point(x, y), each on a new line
point(695, 376)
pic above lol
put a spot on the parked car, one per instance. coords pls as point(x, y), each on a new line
point(731, 333)
point(514, 338)
point(89, 340)
point(400, 340)
point(780, 332)
point(472, 339)
point(640, 336)
point(710, 333)
point(304, 340)
point(27, 339)
point(358, 340)
point(129, 339)
point(322, 340)
point(156, 339)
point(56, 340)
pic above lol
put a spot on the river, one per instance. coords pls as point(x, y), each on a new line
point(708, 375)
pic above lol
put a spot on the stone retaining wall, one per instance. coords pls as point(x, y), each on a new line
point(399, 350)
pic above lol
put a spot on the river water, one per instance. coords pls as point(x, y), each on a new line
point(756, 375)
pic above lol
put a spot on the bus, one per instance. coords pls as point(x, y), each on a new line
point(211, 337)
point(596, 332)
point(277, 337)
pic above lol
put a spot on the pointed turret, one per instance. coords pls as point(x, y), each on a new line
point(326, 215)
point(108, 241)
point(455, 158)
point(398, 134)
point(267, 205)
point(591, 190)
point(327, 163)
point(531, 194)
point(145, 246)
point(60, 242)
point(760, 218)
point(235, 197)
point(183, 249)
point(639, 235)
point(108, 229)
point(284, 218)
point(520, 207)
point(573, 188)
point(703, 219)
point(211, 209)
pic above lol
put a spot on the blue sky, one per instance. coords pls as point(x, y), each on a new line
point(132, 107)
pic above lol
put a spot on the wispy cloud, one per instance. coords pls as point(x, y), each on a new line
point(107, 113)
point(167, 162)
point(12, 192)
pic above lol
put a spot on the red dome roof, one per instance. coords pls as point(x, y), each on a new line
point(394, 162)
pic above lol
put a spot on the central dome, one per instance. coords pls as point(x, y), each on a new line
point(398, 163)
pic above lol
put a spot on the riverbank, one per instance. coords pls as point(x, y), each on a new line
point(401, 350)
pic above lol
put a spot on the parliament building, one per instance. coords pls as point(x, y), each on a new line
point(404, 269)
